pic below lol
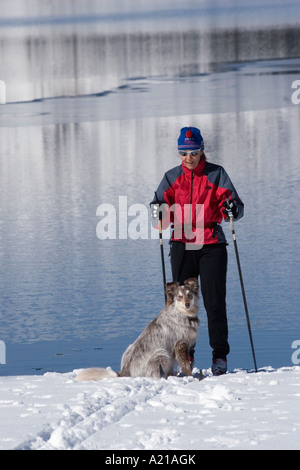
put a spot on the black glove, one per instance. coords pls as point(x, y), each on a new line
point(230, 206)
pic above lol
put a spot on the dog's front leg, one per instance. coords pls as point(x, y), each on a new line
point(182, 357)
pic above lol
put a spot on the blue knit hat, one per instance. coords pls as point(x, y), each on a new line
point(190, 139)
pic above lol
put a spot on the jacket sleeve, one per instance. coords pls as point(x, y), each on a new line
point(163, 194)
point(226, 189)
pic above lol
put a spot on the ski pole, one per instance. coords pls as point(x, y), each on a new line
point(162, 253)
point(230, 214)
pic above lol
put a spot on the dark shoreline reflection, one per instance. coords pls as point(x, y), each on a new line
point(62, 63)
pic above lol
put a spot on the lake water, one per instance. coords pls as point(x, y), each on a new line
point(95, 101)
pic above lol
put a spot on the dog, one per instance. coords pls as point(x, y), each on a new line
point(165, 341)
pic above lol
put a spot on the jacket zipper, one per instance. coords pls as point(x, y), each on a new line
point(190, 234)
point(192, 180)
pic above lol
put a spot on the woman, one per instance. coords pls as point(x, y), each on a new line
point(195, 197)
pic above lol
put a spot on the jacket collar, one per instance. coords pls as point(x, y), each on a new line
point(198, 170)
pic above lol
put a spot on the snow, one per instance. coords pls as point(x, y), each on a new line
point(240, 410)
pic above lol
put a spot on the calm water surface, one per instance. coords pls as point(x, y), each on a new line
point(70, 143)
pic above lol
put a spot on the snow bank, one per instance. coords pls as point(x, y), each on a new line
point(238, 411)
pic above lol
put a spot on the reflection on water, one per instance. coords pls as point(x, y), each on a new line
point(83, 54)
point(73, 64)
point(55, 269)
point(62, 158)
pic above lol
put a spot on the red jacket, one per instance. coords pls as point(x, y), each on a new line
point(193, 199)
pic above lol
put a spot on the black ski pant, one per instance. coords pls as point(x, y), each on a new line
point(210, 263)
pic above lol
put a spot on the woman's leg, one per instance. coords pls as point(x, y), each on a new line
point(213, 271)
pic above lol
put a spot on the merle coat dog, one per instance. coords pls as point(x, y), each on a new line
point(164, 342)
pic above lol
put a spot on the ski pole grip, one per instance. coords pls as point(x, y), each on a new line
point(229, 209)
point(160, 227)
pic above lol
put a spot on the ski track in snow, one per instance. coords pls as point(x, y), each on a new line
point(236, 411)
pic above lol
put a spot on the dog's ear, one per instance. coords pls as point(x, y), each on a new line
point(171, 286)
point(192, 283)
point(170, 291)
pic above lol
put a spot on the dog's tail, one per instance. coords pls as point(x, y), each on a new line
point(96, 373)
